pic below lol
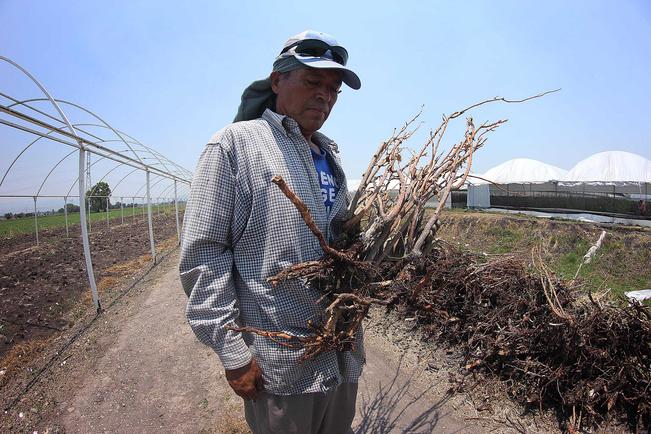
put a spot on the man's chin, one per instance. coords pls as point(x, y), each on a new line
point(312, 124)
point(315, 115)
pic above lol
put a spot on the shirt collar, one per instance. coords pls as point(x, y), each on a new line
point(284, 124)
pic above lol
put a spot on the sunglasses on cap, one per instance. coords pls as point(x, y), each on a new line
point(318, 48)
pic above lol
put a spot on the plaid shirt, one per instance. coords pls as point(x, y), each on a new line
point(239, 229)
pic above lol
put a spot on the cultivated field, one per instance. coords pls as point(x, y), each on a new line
point(44, 289)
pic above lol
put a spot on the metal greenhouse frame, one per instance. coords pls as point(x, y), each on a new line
point(29, 116)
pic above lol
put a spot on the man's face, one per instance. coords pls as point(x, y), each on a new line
point(306, 95)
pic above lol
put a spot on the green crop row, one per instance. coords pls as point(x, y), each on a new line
point(12, 227)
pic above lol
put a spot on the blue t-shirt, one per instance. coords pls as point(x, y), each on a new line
point(329, 187)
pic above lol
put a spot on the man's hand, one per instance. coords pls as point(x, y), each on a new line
point(246, 381)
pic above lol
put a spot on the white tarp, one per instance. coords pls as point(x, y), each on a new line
point(613, 166)
point(524, 170)
point(353, 184)
point(640, 295)
point(582, 217)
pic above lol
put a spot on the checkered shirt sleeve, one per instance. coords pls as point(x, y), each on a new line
point(239, 229)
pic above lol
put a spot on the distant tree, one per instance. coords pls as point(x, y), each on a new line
point(72, 207)
point(9, 215)
point(102, 190)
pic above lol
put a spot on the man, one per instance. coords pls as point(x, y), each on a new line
point(240, 229)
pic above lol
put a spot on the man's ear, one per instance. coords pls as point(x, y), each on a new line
point(275, 78)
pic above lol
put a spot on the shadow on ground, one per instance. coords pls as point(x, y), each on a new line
point(396, 408)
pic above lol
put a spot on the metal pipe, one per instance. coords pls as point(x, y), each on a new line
point(82, 157)
point(87, 186)
point(97, 161)
point(35, 220)
point(40, 195)
point(41, 112)
point(153, 152)
point(125, 176)
point(133, 140)
point(162, 193)
point(176, 211)
point(151, 227)
point(92, 191)
point(16, 159)
point(41, 87)
point(123, 158)
point(35, 132)
point(106, 125)
point(84, 232)
point(52, 170)
point(65, 213)
point(152, 185)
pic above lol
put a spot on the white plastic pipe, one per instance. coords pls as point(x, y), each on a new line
point(35, 220)
point(176, 210)
point(151, 226)
point(84, 231)
point(90, 227)
point(65, 213)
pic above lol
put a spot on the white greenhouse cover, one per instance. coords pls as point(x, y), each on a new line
point(353, 184)
point(613, 166)
point(520, 170)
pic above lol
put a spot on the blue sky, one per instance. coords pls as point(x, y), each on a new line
point(170, 73)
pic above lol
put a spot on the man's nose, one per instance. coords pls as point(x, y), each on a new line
point(325, 93)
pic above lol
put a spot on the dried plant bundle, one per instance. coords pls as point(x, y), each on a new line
point(517, 322)
point(385, 224)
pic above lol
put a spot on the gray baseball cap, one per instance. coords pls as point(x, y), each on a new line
point(320, 50)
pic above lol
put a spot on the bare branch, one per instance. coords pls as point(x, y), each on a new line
point(307, 218)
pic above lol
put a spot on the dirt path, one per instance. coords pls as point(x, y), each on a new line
point(140, 369)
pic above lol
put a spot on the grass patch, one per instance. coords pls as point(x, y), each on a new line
point(614, 266)
point(505, 240)
point(567, 263)
point(621, 264)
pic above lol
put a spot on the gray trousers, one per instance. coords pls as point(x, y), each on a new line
point(317, 413)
